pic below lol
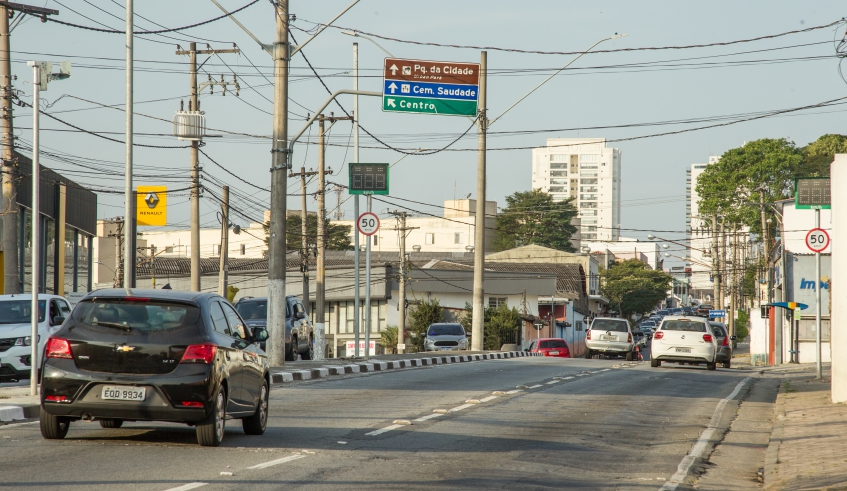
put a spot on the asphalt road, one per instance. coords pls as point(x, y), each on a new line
point(554, 424)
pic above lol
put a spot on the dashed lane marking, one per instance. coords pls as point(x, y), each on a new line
point(514, 391)
point(489, 398)
point(553, 382)
point(383, 430)
point(459, 408)
point(605, 369)
point(186, 487)
point(276, 462)
point(534, 386)
point(429, 416)
point(568, 378)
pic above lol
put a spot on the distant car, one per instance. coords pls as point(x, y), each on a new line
point(688, 311)
point(724, 343)
point(445, 337)
point(664, 313)
point(155, 355)
point(550, 347)
point(703, 310)
point(299, 334)
point(675, 311)
point(684, 340)
point(647, 323)
point(16, 331)
point(610, 336)
point(656, 318)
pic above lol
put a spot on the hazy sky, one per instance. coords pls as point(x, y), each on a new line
point(599, 90)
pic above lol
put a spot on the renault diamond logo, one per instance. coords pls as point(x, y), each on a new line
point(152, 200)
point(124, 348)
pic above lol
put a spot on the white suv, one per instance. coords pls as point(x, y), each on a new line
point(684, 340)
point(610, 336)
point(16, 331)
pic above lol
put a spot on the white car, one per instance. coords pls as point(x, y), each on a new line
point(609, 336)
point(682, 339)
point(16, 331)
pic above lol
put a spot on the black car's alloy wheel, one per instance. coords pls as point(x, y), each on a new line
point(53, 427)
point(210, 432)
point(256, 424)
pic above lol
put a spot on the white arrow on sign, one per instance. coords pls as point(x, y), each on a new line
point(393, 87)
point(394, 69)
point(391, 103)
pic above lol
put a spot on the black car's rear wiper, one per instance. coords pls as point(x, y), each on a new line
point(113, 324)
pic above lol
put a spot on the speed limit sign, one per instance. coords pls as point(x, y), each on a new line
point(368, 223)
point(817, 240)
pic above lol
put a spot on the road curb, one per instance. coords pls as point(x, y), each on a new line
point(12, 414)
point(282, 377)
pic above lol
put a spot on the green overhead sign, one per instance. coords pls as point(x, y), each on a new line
point(812, 193)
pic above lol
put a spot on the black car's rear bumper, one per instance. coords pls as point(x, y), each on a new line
point(163, 398)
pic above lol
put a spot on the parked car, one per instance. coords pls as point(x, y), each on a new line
point(703, 310)
point(155, 355)
point(550, 347)
point(445, 337)
point(684, 340)
point(724, 343)
point(16, 331)
point(663, 313)
point(656, 318)
point(688, 311)
point(299, 333)
point(610, 336)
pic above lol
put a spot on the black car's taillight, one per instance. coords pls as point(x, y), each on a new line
point(58, 348)
point(200, 353)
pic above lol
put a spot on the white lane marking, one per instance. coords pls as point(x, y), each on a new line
point(596, 371)
point(489, 398)
point(514, 391)
point(429, 416)
point(459, 408)
point(605, 369)
point(186, 487)
point(553, 382)
point(277, 462)
point(534, 386)
point(567, 378)
point(383, 430)
point(700, 447)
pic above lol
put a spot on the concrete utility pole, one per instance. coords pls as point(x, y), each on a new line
point(129, 254)
point(36, 223)
point(279, 181)
point(401, 301)
point(224, 265)
point(479, 222)
point(733, 280)
point(356, 265)
point(304, 235)
point(818, 372)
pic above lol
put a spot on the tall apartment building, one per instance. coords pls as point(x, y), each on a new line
point(698, 234)
point(588, 170)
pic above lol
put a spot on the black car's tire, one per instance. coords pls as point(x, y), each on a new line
point(727, 364)
point(310, 351)
point(53, 427)
point(655, 363)
point(588, 354)
point(711, 366)
point(210, 432)
point(111, 423)
point(629, 356)
point(291, 349)
point(256, 424)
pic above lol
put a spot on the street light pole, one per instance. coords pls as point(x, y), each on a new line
point(477, 318)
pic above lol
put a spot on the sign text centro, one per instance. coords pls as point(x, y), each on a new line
point(151, 206)
point(430, 87)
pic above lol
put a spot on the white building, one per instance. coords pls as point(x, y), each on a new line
point(587, 170)
point(698, 233)
point(627, 248)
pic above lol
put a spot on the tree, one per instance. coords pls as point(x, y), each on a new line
point(389, 339)
point(338, 236)
point(741, 323)
point(534, 218)
point(425, 313)
point(634, 287)
point(819, 154)
point(501, 327)
point(731, 187)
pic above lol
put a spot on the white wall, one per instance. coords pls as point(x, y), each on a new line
point(838, 339)
point(797, 224)
point(758, 339)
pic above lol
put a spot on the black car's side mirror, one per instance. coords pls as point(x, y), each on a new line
point(260, 334)
point(58, 320)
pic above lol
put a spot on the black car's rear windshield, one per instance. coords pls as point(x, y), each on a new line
point(610, 325)
point(446, 330)
point(553, 343)
point(254, 309)
point(684, 325)
point(139, 314)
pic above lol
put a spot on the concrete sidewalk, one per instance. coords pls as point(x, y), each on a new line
point(16, 404)
point(808, 444)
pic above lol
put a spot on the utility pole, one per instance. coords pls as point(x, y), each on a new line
point(304, 239)
point(279, 182)
point(356, 270)
point(716, 262)
point(129, 254)
point(401, 301)
point(479, 222)
point(36, 222)
point(733, 280)
point(767, 251)
point(194, 105)
point(224, 265)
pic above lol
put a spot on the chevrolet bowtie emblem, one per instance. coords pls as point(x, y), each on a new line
point(124, 348)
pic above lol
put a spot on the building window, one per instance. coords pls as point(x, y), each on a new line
point(562, 182)
point(375, 240)
point(559, 158)
point(558, 173)
point(216, 249)
point(592, 173)
point(243, 249)
point(457, 238)
point(588, 205)
point(430, 239)
point(588, 181)
point(169, 250)
point(588, 158)
point(588, 213)
point(558, 189)
point(495, 302)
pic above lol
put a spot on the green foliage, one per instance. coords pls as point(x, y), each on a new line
point(389, 339)
point(730, 187)
point(742, 321)
point(534, 218)
point(751, 279)
point(633, 287)
point(338, 236)
point(501, 327)
point(424, 314)
point(819, 154)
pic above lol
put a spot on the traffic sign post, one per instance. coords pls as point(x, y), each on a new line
point(430, 87)
point(714, 314)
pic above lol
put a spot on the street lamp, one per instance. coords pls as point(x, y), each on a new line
point(356, 34)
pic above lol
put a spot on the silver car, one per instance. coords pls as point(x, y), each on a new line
point(445, 337)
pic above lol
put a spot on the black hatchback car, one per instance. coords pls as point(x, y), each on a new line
point(155, 355)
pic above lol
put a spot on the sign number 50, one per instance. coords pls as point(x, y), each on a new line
point(817, 240)
point(368, 223)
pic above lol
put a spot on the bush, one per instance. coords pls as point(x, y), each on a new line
point(742, 323)
point(389, 339)
point(501, 327)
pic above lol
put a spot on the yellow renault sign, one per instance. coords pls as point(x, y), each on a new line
point(151, 205)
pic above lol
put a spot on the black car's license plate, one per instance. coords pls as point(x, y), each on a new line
point(123, 393)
